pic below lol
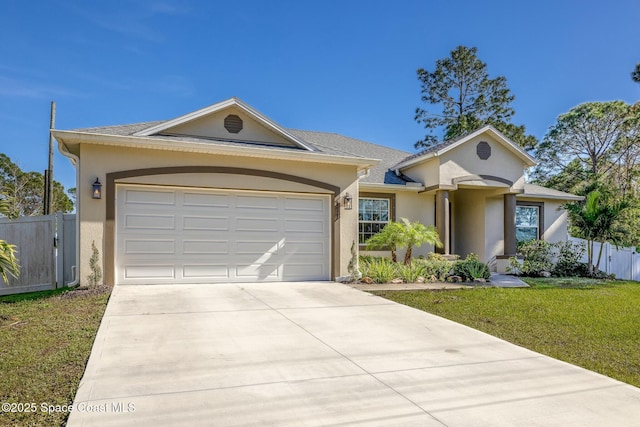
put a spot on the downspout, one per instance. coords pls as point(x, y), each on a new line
point(366, 173)
point(75, 160)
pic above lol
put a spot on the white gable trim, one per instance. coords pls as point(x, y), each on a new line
point(231, 102)
point(526, 158)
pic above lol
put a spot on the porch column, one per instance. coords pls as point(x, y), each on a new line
point(510, 225)
point(442, 220)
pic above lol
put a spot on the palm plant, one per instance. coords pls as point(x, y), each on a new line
point(404, 234)
point(8, 262)
point(597, 220)
point(417, 234)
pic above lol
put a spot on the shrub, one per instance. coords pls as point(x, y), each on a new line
point(471, 268)
point(568, 263)
point(437, 266)
point(409, 273)
point(95, 278)
point(378, 269)
point(537, 256)
point(383, 270)
point(560, 259)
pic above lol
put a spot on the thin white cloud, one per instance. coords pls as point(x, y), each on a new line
point(25, 89)
point(134, 21)
point(169, 8)
point(171, 84)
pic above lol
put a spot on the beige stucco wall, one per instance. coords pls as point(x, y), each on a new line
point(463, 161)
point(98, 160)
point(427, 173)
point(468, 214)
point(555, 219)
point(494, 227)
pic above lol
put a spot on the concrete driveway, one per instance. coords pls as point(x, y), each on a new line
point(318, 354)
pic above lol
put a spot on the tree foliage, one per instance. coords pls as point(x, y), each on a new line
point(596, 145)
point(598, 135)
point(635, 74)
point(404, 234)
point(24, 191)
point(8, 261)
point(468, 99)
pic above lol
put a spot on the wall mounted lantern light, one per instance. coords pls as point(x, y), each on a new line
point(97, 189)
point(348, 202)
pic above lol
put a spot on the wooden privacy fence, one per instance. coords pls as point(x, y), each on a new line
point(46, 249)
point(623, 262)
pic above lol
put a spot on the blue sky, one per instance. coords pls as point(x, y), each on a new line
point(339, 66)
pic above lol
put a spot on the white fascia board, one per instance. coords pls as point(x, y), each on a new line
point(390, 187)
point(569, 197)
point(72, 137)
point(231, 102)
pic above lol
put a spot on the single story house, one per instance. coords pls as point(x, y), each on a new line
point(225, 194)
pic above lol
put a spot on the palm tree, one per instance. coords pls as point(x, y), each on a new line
point(596, 220)
point(388, 238)
point(8, 262)
point(404, 234)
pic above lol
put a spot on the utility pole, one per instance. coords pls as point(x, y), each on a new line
point(48, 177)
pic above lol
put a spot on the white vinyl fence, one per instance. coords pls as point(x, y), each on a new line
point(46, 250)
point(623, 262)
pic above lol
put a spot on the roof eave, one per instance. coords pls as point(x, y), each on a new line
point(141, 142)
point(391, 187)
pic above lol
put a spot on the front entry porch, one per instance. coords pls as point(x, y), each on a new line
point(478, 219)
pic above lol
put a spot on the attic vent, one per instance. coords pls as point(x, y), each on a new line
point(233, 123)
point(483, 150)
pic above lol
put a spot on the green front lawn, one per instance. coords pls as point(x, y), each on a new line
point(590, 323)
point(45, 341)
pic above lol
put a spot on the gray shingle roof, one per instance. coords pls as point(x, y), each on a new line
point(333, 143)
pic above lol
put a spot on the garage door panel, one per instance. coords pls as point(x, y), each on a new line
point(206, 247)
point(298, 271)
point(205, 271)
point(304, 225)
point(205, 223)
point(304, 248)
point(179, 235)
point(303, 204)
point(150, 246)
point(256, 247)
point(257, 224)
point(142, 221)
point(257, 271)
point(206, 200)
point(149, 271)
point(244, 202)
point(149, 197)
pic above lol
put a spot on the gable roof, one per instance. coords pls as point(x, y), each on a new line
point(162, 127)
point(443, 147)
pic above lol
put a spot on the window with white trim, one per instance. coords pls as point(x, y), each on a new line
point(373, 215)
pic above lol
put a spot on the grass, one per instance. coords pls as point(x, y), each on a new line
point(45, 341)
point(590, 323)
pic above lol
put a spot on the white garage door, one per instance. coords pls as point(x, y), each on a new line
point(184, 235)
